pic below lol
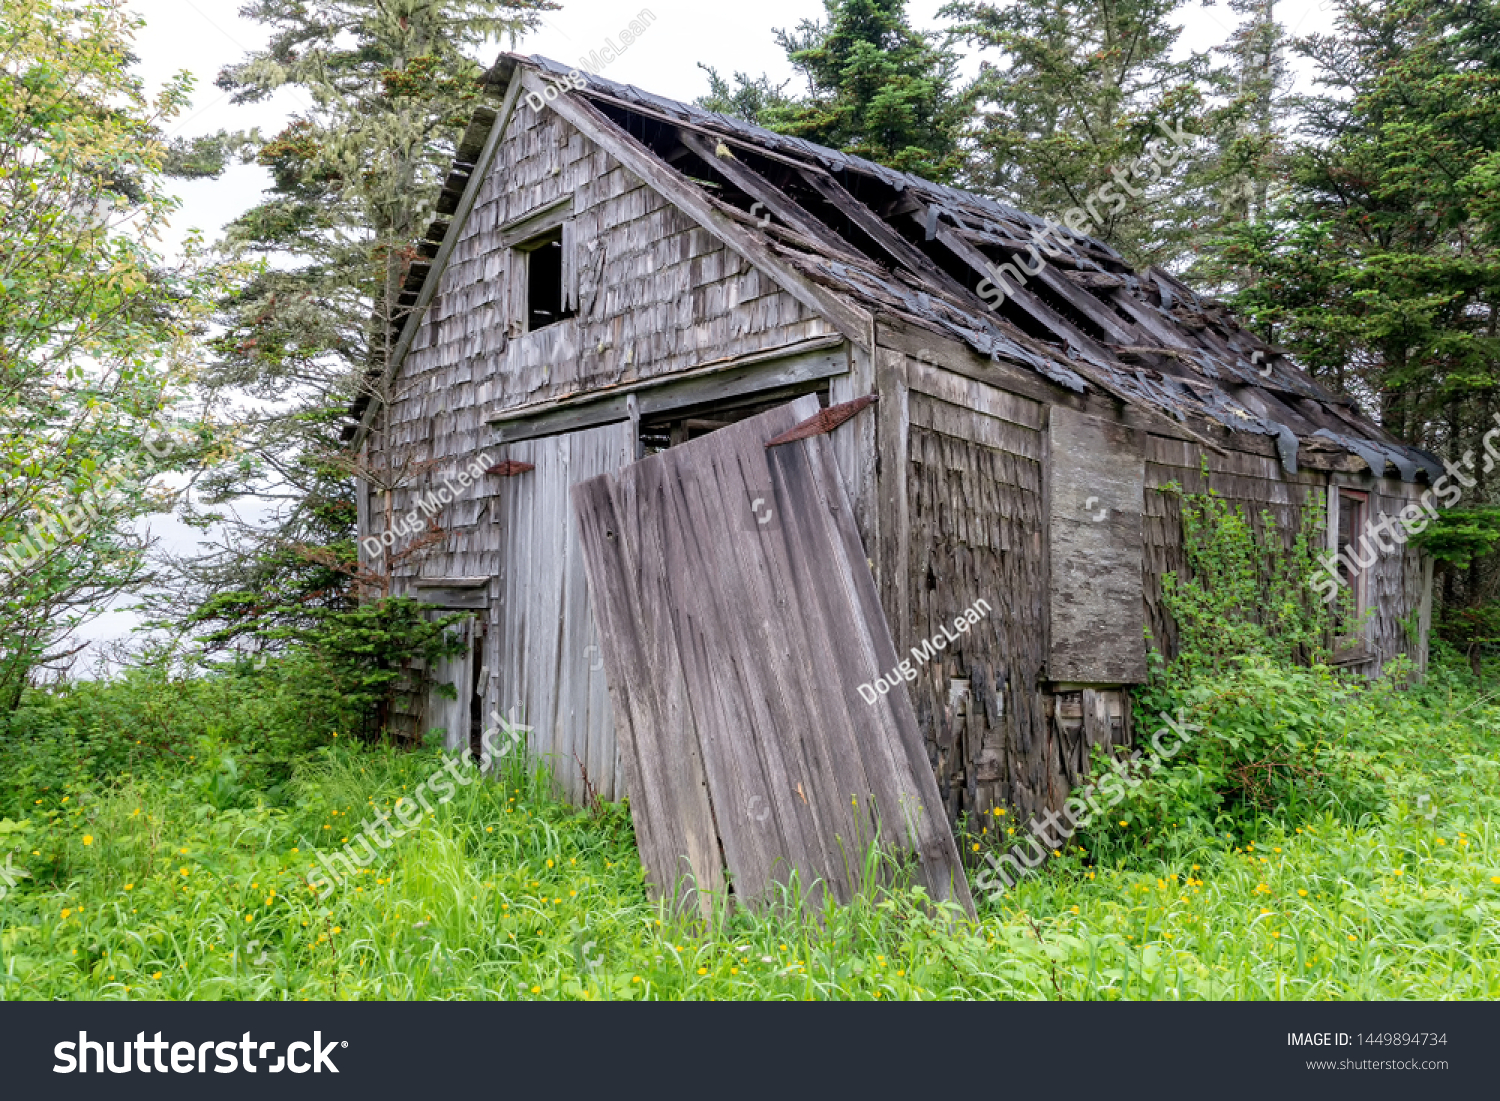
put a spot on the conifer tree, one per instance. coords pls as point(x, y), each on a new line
point(875, 86)
point(388, 85)
point(1380, 267)
point(1072, 92)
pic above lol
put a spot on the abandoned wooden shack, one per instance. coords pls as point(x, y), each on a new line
point(615, 275)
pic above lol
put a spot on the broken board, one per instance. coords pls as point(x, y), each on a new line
point(738, 617)
point(1096, 474)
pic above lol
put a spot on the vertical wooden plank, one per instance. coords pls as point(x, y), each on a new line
point(738, 647)
point(362, 511)
point(547, 671)
point(854, 445)
point(659, 748)
point(570, 263)
point(452, 715)
point(1424, 616)
point(892, 562)
point(513, 642)
point(1096, 477)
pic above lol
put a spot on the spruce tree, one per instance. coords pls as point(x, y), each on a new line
point(1380, 267)
point(875, 86)
point(1071, 92)
point(389, 85)
point(1252, 125)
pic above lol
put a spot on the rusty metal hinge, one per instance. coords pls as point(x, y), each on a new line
point(825, 421)
point(510, 468)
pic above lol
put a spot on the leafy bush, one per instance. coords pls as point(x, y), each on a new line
point(1278, 742)
point(356, 667)
point(251, 728)
point(1247, 590)
point(1282, 738)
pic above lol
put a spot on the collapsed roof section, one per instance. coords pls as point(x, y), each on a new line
point(910, 249)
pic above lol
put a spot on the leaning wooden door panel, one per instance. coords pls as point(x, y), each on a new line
point(738, 617)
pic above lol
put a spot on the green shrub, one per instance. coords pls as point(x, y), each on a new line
point(359, 666)
point(1277, 742)
point(1282, 738)
point(1247, 589)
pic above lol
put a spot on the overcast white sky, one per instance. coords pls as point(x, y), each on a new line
point(202, 36)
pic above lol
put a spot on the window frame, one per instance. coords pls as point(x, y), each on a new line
point(524, 235)
point(1350, 636)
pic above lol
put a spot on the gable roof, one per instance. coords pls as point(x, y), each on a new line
point(898, 246)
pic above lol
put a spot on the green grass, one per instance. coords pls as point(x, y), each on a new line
point(184, 878)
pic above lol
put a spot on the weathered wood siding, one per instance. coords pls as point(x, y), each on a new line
point(546, 663)
point(656, 295)
point(978, 517)
point(947, 479)
point(453, 716)
point(656, 292)
point(1095, 475)
point(735, 650)
point(1259, 484)
point(977, 514)
point(1398, 583)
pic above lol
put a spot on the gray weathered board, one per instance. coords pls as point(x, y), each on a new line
point(451, 714)
point(1095, 489)
point(734, 650)
point(548, 675)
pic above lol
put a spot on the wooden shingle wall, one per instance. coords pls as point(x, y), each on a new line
point(656, 294)
point(1397, 583)
point(1001, 730)
point(1257, 483)
point(996, 736)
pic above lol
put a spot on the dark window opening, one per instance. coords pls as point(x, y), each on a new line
point(682, 425)
point(545, 296)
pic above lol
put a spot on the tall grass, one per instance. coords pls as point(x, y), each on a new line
point(183, 876)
